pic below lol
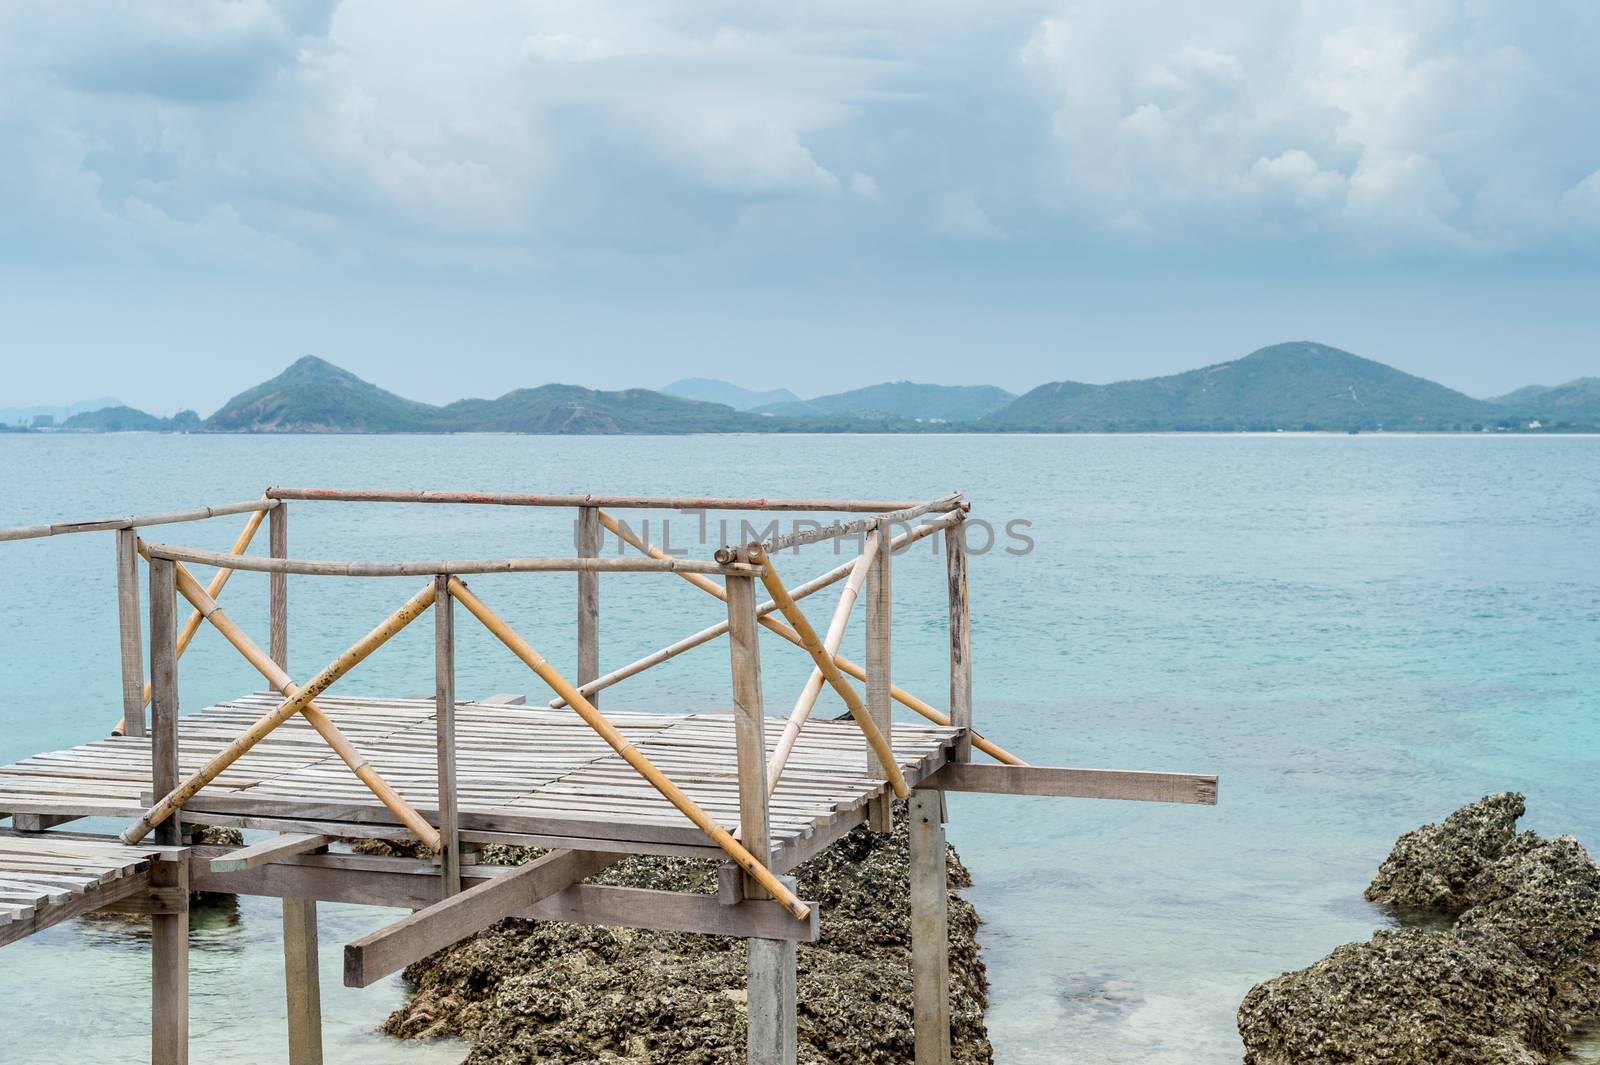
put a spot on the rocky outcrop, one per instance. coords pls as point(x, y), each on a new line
point(527, 991)
point(1510, 966)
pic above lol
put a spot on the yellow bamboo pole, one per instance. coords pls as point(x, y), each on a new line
point(899, 694)
point(830, 645)
point(299, 700)
point(808, 639)
point(214, 589)
point(620, 743)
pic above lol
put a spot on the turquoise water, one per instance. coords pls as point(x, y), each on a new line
point(1356, 633)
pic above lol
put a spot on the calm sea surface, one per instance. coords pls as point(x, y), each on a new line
point(1356, 633)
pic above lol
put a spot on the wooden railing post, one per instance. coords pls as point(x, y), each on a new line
point(930, 936)
point(589, 543)
point(278, 586)
point(880, 600)
point(169, 955)
point(771, 971)
point(955, 553)
point(128, 624)
point(444, 673)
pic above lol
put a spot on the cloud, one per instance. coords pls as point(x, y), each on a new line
point(958, 214)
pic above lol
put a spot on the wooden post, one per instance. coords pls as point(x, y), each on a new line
point(930, 944)
point(955, 554)
point(302, 983)
point(589, 543)
point(749, 724)
point(278, 586)
point(444, 693)
point(169, 954)
point(770, 975)
point(880, 597)
point(128, 624)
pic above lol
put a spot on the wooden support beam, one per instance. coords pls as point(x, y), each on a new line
point(302, 982)
point(880, 600)
point(392, 948)
point(278, 587)
point(268, 850)
point(163, 688)
point(955, 553)
point(588, 543)
point(1075, 783)
point(444, 710)
point(749, 725)
point(930, 937)
point(169, 969)
point(128, 625)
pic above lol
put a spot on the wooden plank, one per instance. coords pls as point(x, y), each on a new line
point(128, 625)
point(589, 542)
point(278, 586)
point(1076, 783)
point(392, 948)
point(268, 850)
point(930, 937)
point(302, 982)
point(444, 680)
point(880, 602)
point(749, 725)
point(955, 553)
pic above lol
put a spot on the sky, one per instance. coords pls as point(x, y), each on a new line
point(455, 200)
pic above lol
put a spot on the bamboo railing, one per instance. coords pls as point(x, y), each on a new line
point(738, 567)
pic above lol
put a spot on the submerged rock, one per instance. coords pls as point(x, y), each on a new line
point(1504, 983)
point(526, 991)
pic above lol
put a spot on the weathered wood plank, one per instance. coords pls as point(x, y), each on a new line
point(880, 606)
point(302, 982)
point(930, 942)
point(444, 680)
point(589, 541)
point(278, 587)
point(392, 948)
point(1076, 783)
point(749, 725)
point(268, 850)
point(955, 550)
point(128, 624)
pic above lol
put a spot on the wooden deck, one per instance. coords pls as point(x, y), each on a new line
point(526, 775)
point(45, 880)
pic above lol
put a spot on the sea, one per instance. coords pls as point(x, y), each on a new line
point(1357, 634)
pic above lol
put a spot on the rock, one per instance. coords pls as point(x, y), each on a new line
point(1431, 867)
point(1504, 983)
point(527, 991)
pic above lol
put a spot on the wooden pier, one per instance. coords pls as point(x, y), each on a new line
point(757, 792)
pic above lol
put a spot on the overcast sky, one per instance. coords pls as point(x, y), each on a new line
point(460, 199)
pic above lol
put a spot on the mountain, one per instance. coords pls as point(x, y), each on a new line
point(121, 419)
point(901, 399)
point(315, 396)
point(569, 409)
point(1300, 385)
point(1574, 405)
point(710, 390)
point(25, 415)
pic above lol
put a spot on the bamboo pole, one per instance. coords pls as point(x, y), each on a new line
point(835, 530)
point(214, 589)
point(899, 694)
point(620, 743)
point(318, 567)
point(132, 521)
point(830, 643)
point(808, 639)
point(618, 502)
point(299, 700)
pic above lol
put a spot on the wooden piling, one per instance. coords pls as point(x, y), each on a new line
point(444, 673)
point(880, 597)
point(589, 542)
point(770, 1028)
point(169, 932)
point(302, 983)
point(930, 943)
point(955, 550)
point(749, 724)
point(128, 625)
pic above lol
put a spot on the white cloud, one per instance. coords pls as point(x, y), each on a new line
point(958, 214)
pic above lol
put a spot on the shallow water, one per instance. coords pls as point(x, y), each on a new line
point(1356, 633)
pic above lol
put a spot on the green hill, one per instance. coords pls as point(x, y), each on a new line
point(1574, 405)
point(901, 399)
point(315, 396)
point(130, 420)
point(569, 409)
point(1300, 385)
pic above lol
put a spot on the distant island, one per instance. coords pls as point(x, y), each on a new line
point(1299, 386)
